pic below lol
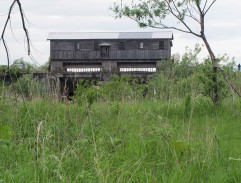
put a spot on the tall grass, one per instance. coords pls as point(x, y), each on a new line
point(163, 130)
point(148, 141)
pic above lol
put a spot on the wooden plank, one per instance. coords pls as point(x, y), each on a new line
point(120, 54)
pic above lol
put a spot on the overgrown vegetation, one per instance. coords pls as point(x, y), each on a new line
point(165, 129)
point(185, 16)
point(20, 66)
point(28, 87)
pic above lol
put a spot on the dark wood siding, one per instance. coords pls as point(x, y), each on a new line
point(89, 49)
point(62, 45)
point(121, 54)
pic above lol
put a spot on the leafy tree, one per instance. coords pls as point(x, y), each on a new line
point(20, 65)
point(181, 15)
point(45, 66)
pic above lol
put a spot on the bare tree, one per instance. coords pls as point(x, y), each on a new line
point(181, 15)
point(23, 19)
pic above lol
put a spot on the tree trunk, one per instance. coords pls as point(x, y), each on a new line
point(215, 69)
point(215, 87)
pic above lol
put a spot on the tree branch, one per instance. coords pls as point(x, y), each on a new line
point(205, 12)
point(205, 6)
point(191, 15)
point(4, 29)
point(178, 18)
point(162, 26)
point(24, 28)
point(194, 8)
point(229, 83)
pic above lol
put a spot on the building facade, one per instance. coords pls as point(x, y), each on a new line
point(96, 54)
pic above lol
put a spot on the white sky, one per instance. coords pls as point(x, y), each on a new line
point(223, 26)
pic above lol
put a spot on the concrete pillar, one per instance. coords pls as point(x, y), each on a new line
point(109, 66)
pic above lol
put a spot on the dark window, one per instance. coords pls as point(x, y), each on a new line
point(161, 45)
point(105, 50)
point(77, 46)
point(96, 45)
point(84, 45)
point(121, 45)
point(141, 45)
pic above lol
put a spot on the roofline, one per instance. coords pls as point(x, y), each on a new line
point(115, 32)
point(112, 32)
point(109, 39)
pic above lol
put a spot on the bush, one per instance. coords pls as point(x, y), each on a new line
point(189, 77)
point(28, 87)
point(86, 93)
point(118, 88)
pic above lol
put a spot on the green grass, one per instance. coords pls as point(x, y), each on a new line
point(136, 141)
point(163, 129)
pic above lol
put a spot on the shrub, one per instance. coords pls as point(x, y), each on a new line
point(118, 88)
point(28, 87)
point(86, 93)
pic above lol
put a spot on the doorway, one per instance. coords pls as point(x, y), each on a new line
point(104, 50)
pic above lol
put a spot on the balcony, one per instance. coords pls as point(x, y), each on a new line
point(111, 55)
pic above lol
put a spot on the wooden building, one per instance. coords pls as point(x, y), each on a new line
point(101, 54)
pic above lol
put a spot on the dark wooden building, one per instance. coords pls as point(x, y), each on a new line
point(99, 54)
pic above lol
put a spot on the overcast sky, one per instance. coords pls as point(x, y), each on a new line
point(223, 26)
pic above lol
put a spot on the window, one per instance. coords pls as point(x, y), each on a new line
point(141, 45)
point(136, 69)
point(94, 69)
point(121, 45)
point(77, 46)
point(105, 50)
point(84, 45)
point(161, 45)
point(96, 45)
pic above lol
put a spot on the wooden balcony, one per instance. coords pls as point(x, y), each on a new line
point(111, 55)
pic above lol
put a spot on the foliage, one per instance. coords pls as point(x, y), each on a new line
point(117, 88)
point(187, 16)
point(115, 108)
point(28, 87)
point(163, 129)
point(189, 76)
point(21, 66)
point(3, 69)
point(86, 93)
point(49, 141)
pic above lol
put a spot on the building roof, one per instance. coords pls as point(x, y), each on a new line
point(109, 35)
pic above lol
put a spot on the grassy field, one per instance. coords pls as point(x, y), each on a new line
point(165, 129)
point(121, 141)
